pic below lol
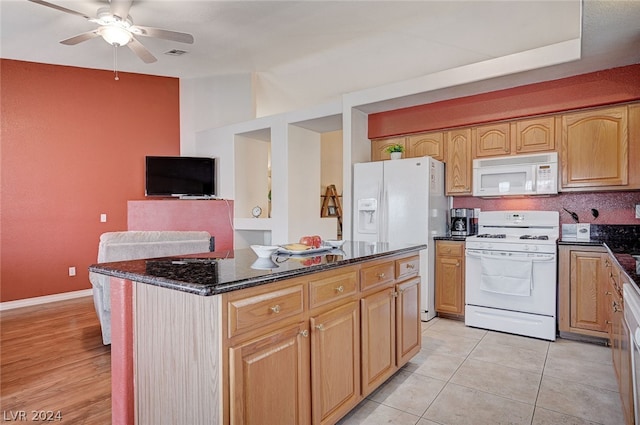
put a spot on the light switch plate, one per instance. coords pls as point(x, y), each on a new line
point(637, 210)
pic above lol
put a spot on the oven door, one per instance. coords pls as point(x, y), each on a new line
point(516, 281)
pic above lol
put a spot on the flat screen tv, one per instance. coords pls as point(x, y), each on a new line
point(180, 176)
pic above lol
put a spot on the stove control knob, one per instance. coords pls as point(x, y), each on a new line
point(526, 247)
point(535, 247)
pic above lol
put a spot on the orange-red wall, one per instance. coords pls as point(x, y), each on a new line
point(73, 147)
point(594, 89)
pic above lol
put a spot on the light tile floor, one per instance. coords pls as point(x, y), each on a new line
point(468, 376)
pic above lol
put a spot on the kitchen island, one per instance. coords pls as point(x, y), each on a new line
point(228, 338)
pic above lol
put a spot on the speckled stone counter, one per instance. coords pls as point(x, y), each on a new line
point(218, 272)
point(622, 241)
point(450, 238)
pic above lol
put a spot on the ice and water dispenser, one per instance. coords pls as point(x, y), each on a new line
point(368, 215)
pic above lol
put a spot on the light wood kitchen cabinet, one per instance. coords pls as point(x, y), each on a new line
point(516, 137)
point(378, 338)
point(459, 162)
point(449, 277)
point(594, 150)
point(269, 378)
point(619, 337)
point(582, 282)
point(426, 144)
point(335, 363)
point(390, 314)
point(534, 135)
point(491, 140)
point(408, 328)
point(379, 146)
point(308, 349)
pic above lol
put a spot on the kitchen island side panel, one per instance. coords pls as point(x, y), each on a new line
point(177, 357)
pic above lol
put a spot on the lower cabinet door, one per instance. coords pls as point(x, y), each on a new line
point(408, 328)
point(269, 379)
point(335, 363)
point(378, 339)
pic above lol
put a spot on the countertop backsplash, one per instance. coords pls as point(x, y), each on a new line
point(605, 231)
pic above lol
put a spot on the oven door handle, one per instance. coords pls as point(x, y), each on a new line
point(511, 256)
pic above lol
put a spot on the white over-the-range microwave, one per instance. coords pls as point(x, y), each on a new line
point(535, 174)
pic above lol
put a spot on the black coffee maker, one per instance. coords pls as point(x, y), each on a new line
point(462, 222)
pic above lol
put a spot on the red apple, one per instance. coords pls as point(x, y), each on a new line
point(317, 241)
point(307, 240)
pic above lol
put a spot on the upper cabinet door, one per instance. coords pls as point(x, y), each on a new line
point(458, 159)
point(379, 146)
point(426, 144)
point(534, 135)
point(491, 140)
point(594, 148)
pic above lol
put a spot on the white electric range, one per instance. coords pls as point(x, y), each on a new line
point(511, 273)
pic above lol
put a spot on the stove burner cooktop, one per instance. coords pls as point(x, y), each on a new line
point(538, 237)
point(497, 236)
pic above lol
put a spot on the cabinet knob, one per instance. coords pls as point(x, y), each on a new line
point(394, 294)
point(411, 266)
point(276, 308)
point(320, 327)
point(304, 333)
point(380, 275)
point(458, 264)
point(615, 307)
point(340, 289)
point(607, 293)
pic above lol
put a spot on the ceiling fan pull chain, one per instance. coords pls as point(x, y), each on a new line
point(115, 61)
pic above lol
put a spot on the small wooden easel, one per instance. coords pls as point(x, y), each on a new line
point(331, 197)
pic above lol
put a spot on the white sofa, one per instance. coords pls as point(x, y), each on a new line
point(134, 245)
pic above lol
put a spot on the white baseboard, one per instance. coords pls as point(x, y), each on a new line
point(27, 302)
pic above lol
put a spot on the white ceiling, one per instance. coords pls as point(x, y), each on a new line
point(320, 49)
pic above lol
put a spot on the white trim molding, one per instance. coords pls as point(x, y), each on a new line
point(27, 302)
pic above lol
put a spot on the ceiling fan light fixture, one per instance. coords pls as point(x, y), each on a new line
point(115, 35)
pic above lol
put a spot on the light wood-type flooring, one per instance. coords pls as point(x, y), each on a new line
point(54, 365)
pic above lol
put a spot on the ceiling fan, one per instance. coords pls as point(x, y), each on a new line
point(116, 28)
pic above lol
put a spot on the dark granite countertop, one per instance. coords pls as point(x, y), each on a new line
point(622, 241)
point(450, 238)
point(214, 273)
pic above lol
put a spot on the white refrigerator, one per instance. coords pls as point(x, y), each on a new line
point(402, 202)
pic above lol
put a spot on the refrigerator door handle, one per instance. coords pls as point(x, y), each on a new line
point(384, 235)
point(380, 211)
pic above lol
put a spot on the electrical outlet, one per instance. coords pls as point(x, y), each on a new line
point(72, 271)
point(103, 218)
point(637, 210)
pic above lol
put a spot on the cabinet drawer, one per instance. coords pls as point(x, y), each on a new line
point(377, 275)
point(450, 248)
point(263, 309)
point(333, 287)
point(406, 267)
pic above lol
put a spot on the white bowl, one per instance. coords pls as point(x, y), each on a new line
point(264, 264)
point(264, 251)
point(336, 243)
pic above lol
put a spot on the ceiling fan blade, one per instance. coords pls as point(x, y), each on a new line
point(120, 8)
point(141, 51)
point(60, 8)
point(181, 37)
point(81, 37)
